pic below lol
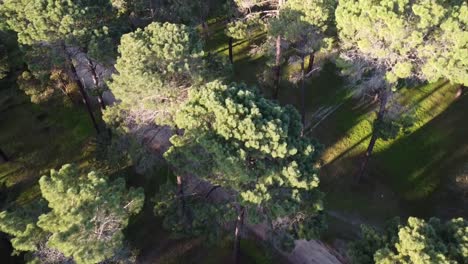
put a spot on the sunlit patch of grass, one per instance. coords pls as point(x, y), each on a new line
point(420, 161)
point(425, 110)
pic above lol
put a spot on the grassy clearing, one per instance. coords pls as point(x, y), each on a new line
point(352, 125)
point(411, 167)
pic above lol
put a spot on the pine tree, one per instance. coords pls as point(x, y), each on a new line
point(20, 224)
point(242, 23)
point(245, 15)
point(156, 67)
point(417, 241)
point(446, 53)
point(88, 213)
point(240, 141)
point(58, 25)
point(305, 26)
point(382, 42)
point(84, 221)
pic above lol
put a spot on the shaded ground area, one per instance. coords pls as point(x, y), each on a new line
point(40, 137)
point(413, 174)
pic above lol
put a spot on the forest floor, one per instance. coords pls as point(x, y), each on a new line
point(38, 138)
point(415, 173)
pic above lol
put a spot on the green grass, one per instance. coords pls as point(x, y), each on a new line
point(439, 146)
point(408, 170)
point(350, 133)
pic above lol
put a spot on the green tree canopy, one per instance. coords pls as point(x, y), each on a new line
point(389, 35)
point(40, 21)
point(417, 241)
point(86, 219)
point(21, 225)
point(446, 53)
point(382, 45)
point(235, 138)
point(156, 67)
point(298, 20)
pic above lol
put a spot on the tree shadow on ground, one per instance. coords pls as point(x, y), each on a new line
point(420, 164)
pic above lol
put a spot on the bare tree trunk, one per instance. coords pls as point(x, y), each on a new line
point(311, 62)
point(231, 59)
point(303, 108)
point(83, 92)
point(237, 233)
point(277, 68)
point(3, 156)
point(383, 102)
point(92, 69)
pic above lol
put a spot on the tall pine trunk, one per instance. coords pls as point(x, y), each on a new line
point(311, 62)
point(277, 68)
point(82, 91)
point(237, 234)
point(3, 156)
point(303, 108)
point(383, 102)
point(231, 58)
point(92, 69)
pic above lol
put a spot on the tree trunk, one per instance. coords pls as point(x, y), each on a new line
point(277, 68)
point(92, 69)
point(311, 62)
point(3, 156)
point(205, 29)
point(383, 102)
point(231, 59)
point(83, 94)
point(303, 108)
point(180, 193)
point(101, 101)
point(460, 91)
point(237, 233)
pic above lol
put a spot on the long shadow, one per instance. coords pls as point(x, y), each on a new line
point(417, 165)
point(348, 150)
point(240, 42)
point(340, 123)
point(428, 94)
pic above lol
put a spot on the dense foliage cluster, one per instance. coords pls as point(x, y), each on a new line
point(51, 21)
point(417, 241)
point(84, 220)
point(155, 66)
point(237, 139)
point(238, 157)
